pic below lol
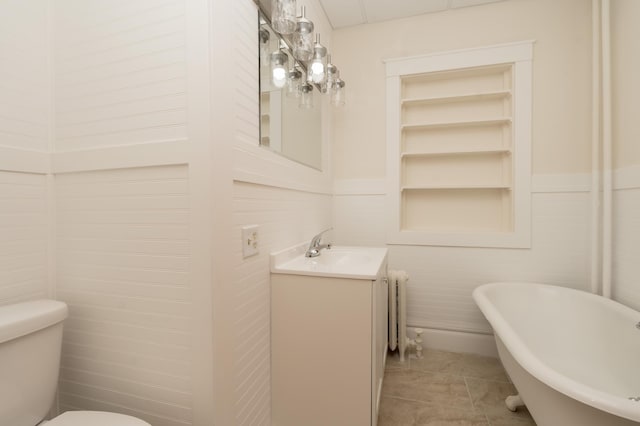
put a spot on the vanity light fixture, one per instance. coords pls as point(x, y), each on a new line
point(306, 96)
point(294, 81)
point(264, 43)
point(319, 62)
point(279, 68)
point(303, 38)
point(332, 75)
point(283, 16)
point(338, 93)
point(310, 62)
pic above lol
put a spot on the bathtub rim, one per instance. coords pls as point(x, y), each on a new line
point(612, 404)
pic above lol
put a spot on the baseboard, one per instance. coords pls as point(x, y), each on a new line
point(457, 341)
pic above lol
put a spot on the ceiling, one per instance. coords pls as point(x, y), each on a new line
point(344, 13)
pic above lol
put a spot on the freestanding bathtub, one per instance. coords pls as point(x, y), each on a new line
point(573, 356)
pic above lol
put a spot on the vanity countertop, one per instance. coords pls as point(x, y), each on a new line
point(337, 262)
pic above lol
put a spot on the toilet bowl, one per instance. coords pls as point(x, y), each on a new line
point(30, 344)
point(93, 418)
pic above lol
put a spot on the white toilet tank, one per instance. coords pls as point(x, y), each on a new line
point(30, 342)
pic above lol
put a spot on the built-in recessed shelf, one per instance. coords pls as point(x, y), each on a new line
point(450, 187)
point(466, 123)
point(501, 94)
point(459, 147)
point(478, 151)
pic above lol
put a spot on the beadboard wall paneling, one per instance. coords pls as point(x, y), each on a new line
point(120, 72)
point(23, 237)
point(626, 235)
point(24, 74)
point(285, 218)
point(442, 278)
point(246, 85)
point(123, 269)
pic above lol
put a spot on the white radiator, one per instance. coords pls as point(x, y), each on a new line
point(398, 311)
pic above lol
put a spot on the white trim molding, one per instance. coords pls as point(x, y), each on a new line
point(457, 341)
point(24, 161)
point(626, 178)
point(121, 157)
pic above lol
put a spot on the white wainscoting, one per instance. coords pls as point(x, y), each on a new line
point(123, 259)
point(23, 236)
point(285, 218)
point(442, 278)
point(289, 202)
point(626, 236)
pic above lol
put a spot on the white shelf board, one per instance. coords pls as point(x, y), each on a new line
point(452, 153)
point(457, 98)
point(468, 123)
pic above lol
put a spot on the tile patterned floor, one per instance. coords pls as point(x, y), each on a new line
point(448, 389)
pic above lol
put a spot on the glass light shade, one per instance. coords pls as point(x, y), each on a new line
point(264, 46)
point(303, 39)
point(332, 74)
point(279, 65)
point(338, 93)
point(319, 62)
point(306, 96)
point(283, 16)
point(293, 83)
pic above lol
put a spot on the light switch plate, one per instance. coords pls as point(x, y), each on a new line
point(249, 240)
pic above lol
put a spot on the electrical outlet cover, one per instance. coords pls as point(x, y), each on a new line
point(249, 240)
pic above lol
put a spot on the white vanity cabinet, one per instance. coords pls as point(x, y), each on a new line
point(328, 348)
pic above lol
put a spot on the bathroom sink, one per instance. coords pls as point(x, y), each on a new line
point(337, 262)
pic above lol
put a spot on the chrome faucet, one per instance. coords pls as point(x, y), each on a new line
point(315, 246)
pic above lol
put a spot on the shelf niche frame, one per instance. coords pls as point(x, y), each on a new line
point(514, 58)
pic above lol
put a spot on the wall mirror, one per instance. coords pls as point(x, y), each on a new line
point(290, 109)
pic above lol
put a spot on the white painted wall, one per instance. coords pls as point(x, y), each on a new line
point(23, 237)
point(442, 278)
point(561, 77)
point(288, 201)
point(625, 43)
point(130, 163)
point(153, 183)
point(25, 120)
point(129, 212)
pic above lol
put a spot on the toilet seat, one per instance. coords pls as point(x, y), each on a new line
point(94, 418)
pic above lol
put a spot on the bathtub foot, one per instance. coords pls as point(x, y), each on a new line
point(513, 402)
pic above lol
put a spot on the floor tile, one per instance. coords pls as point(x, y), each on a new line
point(488, 397)
point(467, 365)
point(445, 416)
point(422, 386)
point(448, 389)
point(399, 412)
point(393, 361)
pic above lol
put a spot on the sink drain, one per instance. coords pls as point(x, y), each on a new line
point(635, 398)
